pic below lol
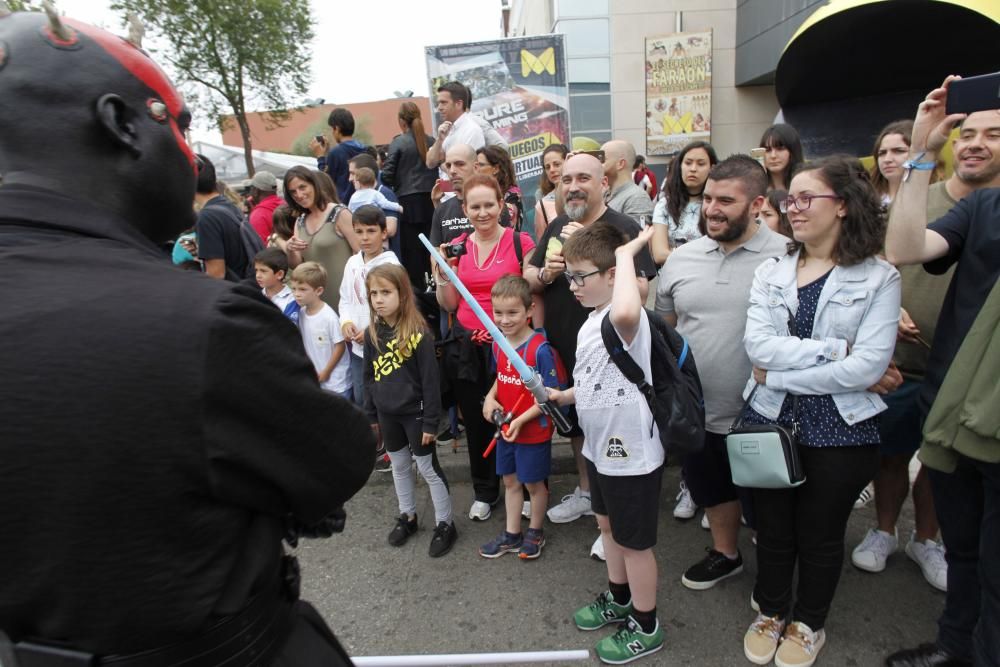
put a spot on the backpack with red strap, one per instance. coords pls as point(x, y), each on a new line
point(531, 356)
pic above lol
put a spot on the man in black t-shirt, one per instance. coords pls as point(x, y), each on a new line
point(966, 484)
point(217, 231)
point(584, 184)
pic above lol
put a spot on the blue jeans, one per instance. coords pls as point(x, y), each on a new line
point(968, 508)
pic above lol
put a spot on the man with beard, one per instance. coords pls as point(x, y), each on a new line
point(584, 185)
point(703, 291)
point(146, 490)
point(964, 472)
point(977, 166)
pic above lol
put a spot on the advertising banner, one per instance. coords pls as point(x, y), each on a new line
point(519, 86)
point(678, 91)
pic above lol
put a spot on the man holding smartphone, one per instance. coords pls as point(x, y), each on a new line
point(965, 482)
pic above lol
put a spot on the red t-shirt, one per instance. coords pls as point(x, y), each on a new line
point(510, 389)
point(479, 281)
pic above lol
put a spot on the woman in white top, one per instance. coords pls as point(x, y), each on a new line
point(678, 212)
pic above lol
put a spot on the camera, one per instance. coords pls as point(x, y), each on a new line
point(454, 250)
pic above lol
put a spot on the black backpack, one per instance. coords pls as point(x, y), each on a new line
point(675, 397)
point(251, 244)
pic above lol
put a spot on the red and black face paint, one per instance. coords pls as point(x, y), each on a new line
point(168, 107)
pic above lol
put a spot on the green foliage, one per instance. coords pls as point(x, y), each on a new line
point(243, 54)
point(24, 6)
point(301, 144)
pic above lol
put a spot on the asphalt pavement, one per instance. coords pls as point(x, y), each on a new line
point(382, 600)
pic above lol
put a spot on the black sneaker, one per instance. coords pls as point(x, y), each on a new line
point(711, 570)
point(383, 464)
point(402, 530)
point(444, 538)
point(447, 435)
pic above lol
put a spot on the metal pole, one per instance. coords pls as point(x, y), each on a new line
point(442, 660)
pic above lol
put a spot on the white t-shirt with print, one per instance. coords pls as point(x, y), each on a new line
point(320, 332)
point(620, 437)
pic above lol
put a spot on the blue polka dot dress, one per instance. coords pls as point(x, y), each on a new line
point(820, 423)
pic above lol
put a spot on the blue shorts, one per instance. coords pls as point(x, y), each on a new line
point(532, 463)
point(900, 425)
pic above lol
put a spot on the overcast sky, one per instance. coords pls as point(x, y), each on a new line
point(364, 50)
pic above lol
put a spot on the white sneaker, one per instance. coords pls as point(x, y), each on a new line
point(480, 511)
point(704, 522)
point(526, 509)
point(571, 508)
point(866, 496)
point(685, 507)
point(873, 551)
point(597, 549)
point(929, 556)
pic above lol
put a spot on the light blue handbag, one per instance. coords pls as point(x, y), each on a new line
point(766, 456)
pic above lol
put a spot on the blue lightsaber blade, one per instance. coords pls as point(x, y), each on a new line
point(532, 380)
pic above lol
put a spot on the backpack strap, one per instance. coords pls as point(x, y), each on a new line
point(518, 251)
point(684, 353)
point(531, 351)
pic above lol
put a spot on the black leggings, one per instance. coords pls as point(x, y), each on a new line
point(805, 526)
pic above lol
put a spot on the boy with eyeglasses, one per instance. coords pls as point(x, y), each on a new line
point(621, 444)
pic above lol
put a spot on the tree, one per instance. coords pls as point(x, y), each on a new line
point(242, 53)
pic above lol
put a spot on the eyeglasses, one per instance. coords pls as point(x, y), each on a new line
point(802, 202)
point(578, 278)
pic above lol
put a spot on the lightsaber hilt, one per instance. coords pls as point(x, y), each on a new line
point(532, 381)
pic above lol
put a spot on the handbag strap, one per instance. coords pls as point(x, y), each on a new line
point(792, 331)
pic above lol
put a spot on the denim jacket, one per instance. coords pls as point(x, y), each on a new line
point(858, 310)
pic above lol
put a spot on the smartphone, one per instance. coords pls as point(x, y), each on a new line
point(445, 186)
point(598, 154)
point(977, 93)
point(758, 154)
point(319, 139)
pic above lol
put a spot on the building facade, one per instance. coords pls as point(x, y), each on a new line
point(606, 60)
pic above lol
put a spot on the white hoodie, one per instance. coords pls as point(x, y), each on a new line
point(353, 294)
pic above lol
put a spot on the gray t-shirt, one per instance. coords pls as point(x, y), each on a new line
point(632, 201)
point(709, 291)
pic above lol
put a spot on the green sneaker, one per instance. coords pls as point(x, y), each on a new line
point(629, 643)
point(600, 612)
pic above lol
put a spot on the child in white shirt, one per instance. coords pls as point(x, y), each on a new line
point(320, 329)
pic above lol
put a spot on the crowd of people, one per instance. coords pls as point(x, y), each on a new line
point(797, 284)
point(775, 270)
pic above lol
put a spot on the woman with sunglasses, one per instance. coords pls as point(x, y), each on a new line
point(821, 328)
point(479, 258)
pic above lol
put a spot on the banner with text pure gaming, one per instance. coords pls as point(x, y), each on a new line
point(519, 85)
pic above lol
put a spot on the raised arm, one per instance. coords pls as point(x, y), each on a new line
point(626, 299)
point(908, 241)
